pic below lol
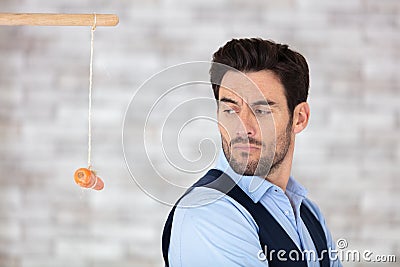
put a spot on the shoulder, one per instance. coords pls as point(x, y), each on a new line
point(315, 210)
point(211, 207)
point(213, 225)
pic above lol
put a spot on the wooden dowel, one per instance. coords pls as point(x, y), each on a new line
point(46, 19)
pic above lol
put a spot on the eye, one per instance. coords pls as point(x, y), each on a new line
point(229, 111)
point(260, 111)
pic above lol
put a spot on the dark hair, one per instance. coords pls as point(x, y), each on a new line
point(255, 54)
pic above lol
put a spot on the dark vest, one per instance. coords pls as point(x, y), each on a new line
point(271, 234)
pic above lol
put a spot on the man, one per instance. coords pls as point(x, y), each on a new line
point(249, 211)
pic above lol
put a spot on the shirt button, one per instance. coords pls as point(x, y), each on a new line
point(287, 212)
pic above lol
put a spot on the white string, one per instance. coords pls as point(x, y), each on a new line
point(90, 93)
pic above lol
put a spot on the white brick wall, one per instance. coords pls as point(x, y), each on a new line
point(348, 158)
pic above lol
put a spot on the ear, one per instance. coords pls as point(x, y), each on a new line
point(301, 115)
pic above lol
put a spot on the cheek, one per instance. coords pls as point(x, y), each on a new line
point(283, 129)
point(267, 129)
point(224, 131)
point(229, 124)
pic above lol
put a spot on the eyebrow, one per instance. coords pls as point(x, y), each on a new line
point(264, 102)
point(228, 100)
point(257, 103)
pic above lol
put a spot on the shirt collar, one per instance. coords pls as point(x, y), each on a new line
point(296, 188)
point(255, 186)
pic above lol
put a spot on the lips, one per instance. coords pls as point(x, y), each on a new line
point(246, 147)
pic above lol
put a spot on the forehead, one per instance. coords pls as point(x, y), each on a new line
point(252, 86)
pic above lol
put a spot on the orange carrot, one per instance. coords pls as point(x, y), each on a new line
point(88, 179)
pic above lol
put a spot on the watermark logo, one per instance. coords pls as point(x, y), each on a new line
point(172, 134)
point(341, 253)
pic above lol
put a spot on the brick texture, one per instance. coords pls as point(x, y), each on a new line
point(348, 157)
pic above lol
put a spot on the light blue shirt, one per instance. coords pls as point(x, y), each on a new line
point(211, 229)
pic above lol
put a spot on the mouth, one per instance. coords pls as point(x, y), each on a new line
point(248, 148)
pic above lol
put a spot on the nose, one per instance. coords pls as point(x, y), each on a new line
point(247, 123)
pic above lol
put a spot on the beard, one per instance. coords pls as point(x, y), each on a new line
point(275, 153)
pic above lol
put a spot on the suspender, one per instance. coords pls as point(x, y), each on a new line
point(271, 234)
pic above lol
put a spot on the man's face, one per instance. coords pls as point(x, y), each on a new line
point(254, 122)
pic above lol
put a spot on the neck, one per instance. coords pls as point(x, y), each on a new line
point(280, 173)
